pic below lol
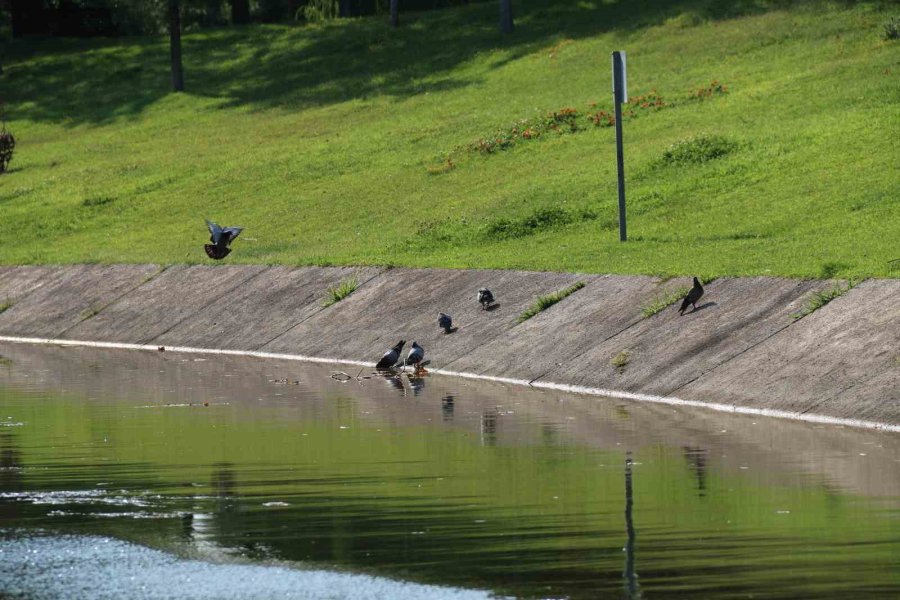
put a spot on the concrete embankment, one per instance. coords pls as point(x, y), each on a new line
point(742, 348)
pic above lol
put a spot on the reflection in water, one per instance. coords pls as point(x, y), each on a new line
point(359, 476)
point(489, 428)
point(10, 474)
point(696, 460)
point(632, 589)
point(417, 383)
point(447, 408)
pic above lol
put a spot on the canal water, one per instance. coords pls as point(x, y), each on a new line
point(157, 474)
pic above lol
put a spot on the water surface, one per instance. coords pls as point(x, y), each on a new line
point(274, 479)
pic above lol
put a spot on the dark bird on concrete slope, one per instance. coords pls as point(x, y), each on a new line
point(221, 238)
point(485, 298)
point(391, 357)
point(445, 322)
point(692, 296)
point(416, 355)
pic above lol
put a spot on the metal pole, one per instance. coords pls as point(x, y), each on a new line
point(618, 94)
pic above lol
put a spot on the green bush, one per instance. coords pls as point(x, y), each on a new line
point(699, 149)
point(7, 146)
point(891, 29)
point(541, 219)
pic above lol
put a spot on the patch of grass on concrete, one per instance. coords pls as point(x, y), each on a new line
point(664, 300)
point(4, 306)
point(542, 303)
point(620, 361)
point(820, 299)
point(89, 312)
point(338, 292)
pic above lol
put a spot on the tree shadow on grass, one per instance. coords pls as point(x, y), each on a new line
point(97, 81)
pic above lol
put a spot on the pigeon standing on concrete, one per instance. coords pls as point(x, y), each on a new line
point(692, 297)
point(445, 322)
point(390, 357)
point(416, 355)
point(485, 298)
point(220, 237)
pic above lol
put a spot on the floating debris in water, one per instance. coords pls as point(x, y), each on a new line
point(276, 503)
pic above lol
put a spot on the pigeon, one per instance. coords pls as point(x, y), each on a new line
point(692, 297)
point(416, 355)
point(390, 357)
point(220, 238)
point(485, 298)
point(445, 322)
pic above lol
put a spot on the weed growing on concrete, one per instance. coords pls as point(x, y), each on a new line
point(89, 312)
point(542, 303)
point(820, 299)
point(620, 361)
point(663, 300)
point(4, 306)
point(338, 292)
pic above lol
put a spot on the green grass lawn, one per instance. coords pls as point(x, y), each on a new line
point(330, 144)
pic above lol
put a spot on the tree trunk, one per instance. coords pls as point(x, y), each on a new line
point(240, 12)
point(506, 16)
point(175, 45)
point(395, 13)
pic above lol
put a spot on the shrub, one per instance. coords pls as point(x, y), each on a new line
point(320, 10)
point(7, 146)
point(541, 219)
point(563, 120)
point(698, 149)
point(891, 29)
point(715, 88)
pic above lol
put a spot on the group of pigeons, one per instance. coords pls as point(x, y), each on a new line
point(416, 355)
point(221, 238)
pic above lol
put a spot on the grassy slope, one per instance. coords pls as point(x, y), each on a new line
point(318, 139)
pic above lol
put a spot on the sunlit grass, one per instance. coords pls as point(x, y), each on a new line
point(328, 143)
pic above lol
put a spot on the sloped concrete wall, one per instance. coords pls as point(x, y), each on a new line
point(742, 346)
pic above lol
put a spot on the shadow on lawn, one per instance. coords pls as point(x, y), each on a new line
point(74, 82)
